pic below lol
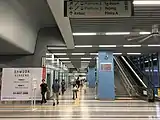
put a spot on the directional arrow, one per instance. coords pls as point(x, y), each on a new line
point(71, 3)
point(70, 12)
point(70, 8)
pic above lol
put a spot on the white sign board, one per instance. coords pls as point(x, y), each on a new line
point(17, 83)
point(82, 9)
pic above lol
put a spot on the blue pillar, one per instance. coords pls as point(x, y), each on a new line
point(91, 77)
point(105, 75)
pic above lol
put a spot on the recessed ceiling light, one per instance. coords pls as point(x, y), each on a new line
point(56, 48)
point(86, 58)
point(117, 53)
point(64, 58)
point(81, 46)
point(79, 34)
point(153, 45)
point(60, 53)
point(78, 53)
point(133, 53)
point(144, 33)
point(146, 2)
point(107, 46)
point(117, 33)
point(131, 45)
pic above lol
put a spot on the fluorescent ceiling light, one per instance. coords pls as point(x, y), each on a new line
point(60, 53)
point(153, 45)
point(81, 46)
point(142, 2)
point(49, 59)
point(102, 33)
point(155, 59)
point(86, 58)
point(131, 45)
point(117, 53)
point(144, 33)
point(93, 53)
point(48, 53)
point(117, 33)
point(79, 34)
point(107, 46)
point(66, 61)
point(85, 61)
point(64, 58)
point(57, 48)
point(145, 61)
point(133, 53)
point(78, 53)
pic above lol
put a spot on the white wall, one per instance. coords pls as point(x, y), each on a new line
point(15, 27)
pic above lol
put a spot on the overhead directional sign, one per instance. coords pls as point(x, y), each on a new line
point(84, 9)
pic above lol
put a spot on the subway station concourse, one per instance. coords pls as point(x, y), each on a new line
point(106, 52)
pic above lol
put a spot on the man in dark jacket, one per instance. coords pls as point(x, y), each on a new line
point(55, 88)
point(44, 88)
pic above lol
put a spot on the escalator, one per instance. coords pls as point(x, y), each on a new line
point(141, 84)
point(120, 89)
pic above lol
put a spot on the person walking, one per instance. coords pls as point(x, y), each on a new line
point(63, 89)
point(78, 82)
point(44, 88)
point(55, 88)
point(75, 90)
point(85, 86)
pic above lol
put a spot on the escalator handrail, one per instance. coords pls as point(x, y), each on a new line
point(136, 67)
point(132, 81)
point(128, 82)
point(144, 76)
point(130, 67)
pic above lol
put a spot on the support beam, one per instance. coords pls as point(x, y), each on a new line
point(57, 8)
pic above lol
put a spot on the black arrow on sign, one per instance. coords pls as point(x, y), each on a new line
point(71, 3)
point(70, 8)
point(71, 13)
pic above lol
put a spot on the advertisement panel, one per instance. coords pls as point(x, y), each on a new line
point(106, 67)
point(17, 83)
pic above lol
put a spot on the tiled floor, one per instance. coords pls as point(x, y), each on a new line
point(84, 108)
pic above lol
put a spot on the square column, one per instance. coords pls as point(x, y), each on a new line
point(105, 71)
point(91, 77)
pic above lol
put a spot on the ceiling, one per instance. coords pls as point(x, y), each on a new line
point(144, 17)
point(48, 13)
point(39, 12)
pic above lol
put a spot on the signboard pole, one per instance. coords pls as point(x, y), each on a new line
point(34, 85)
point(34, 98)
